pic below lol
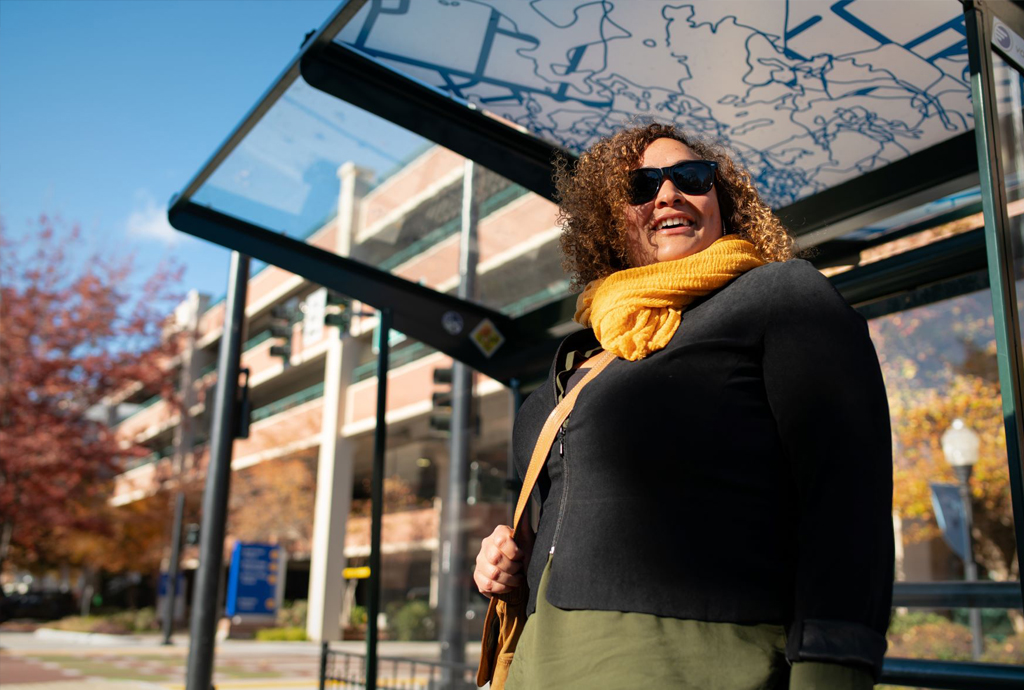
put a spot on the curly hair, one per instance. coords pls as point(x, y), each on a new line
point(592, 199)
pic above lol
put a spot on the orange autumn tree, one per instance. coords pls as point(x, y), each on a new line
point(75, 328)
point(939, 363)
point(272, 501)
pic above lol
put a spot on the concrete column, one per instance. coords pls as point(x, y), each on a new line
point(337, 454)
point(333, 496)
point(187, 315)
point(355, 182)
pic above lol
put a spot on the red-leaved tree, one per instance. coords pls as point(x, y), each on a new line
point(75, 328)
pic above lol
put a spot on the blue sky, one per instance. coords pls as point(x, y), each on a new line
point(109, 108)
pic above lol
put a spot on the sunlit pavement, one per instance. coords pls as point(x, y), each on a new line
point(103, 662)
point(33, 662)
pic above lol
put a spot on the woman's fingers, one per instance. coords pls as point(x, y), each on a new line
point(500, 584)
point(498, 563)
point(501, 539)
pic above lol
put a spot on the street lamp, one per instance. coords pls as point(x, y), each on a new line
point(960, 446)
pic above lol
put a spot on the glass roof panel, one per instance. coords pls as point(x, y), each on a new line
point(284, 174)
point(407, 201)
point(808, 94)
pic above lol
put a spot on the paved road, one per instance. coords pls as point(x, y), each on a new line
point(72, 661)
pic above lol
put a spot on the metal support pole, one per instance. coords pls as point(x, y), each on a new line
point(218, 477)
point(453, 586)
point(970, 567)
point(325, 649)
point(512, 481)
point(171, 593)
point(380, 435)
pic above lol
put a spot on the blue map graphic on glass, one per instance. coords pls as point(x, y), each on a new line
point(806, 94)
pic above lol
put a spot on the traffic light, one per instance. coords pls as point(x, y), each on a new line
point(441, 414)
point(281, 329)
point(338, 311)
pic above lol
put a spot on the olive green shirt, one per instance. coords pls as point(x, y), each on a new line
point(563, 650)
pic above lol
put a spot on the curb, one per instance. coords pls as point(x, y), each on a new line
point(83, 637)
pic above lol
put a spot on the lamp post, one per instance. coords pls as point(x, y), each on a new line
point(960, 446)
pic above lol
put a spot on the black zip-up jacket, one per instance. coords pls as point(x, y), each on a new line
point(742, 474)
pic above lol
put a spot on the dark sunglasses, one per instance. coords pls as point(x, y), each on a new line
point(689, 177)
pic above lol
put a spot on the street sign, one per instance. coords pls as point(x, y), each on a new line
point(179, 596)
point(360, 573)
point(253, 580)
point(949, 513)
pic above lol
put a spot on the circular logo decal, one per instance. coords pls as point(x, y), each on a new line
point(1002, 37)
point(452, 322)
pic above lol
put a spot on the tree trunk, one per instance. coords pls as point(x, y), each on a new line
point(6, 532)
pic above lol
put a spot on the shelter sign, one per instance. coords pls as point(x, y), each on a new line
point(949, 512)
point(253, 580)
point(1007, 40)
point(179, 595)
point(314, 308)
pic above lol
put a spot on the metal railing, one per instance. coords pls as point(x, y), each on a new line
point(347, 670)
point(142, 406)
point(957, 594)
point(951, 675)
point(288, 402)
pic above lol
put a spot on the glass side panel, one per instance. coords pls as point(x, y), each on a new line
point(809, 94)
point(939, 364)
point(424, 565)
point(313, 154)
point(1010, 111)
point(284, 174)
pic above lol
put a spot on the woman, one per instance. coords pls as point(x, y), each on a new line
point(717, 510)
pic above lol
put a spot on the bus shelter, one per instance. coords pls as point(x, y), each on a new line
point(888, 136)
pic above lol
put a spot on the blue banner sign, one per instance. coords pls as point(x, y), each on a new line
point(949, 513)
point(179, 590)
point(252, 580)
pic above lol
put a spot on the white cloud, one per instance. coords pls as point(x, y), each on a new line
point(149, 221)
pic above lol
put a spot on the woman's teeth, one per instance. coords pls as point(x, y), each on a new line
point(675, 223)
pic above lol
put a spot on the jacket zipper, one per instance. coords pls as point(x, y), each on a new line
point(565, 486)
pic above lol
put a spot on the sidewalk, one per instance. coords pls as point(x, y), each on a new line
point(91, 662)
point(78, 661)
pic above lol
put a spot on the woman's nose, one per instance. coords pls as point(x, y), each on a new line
point(668, 194)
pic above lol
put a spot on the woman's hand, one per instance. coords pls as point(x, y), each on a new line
point(501, 564)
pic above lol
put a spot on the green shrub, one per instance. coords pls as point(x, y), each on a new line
point(145, 620)
point(289, 634)
point(115, 623)
point(1009, 650)
point(901, 624)
point(411, 620)
point(111, 625)
point(293, 614)
point(358, 616)
point(945, 641)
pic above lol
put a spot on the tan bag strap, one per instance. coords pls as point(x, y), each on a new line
point(547, 434)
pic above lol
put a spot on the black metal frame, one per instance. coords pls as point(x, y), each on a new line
point(365, 83)
point(999, 249)
point(932, 167)
point(417, 310)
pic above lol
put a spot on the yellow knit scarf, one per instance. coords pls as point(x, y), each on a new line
point(637, 310)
